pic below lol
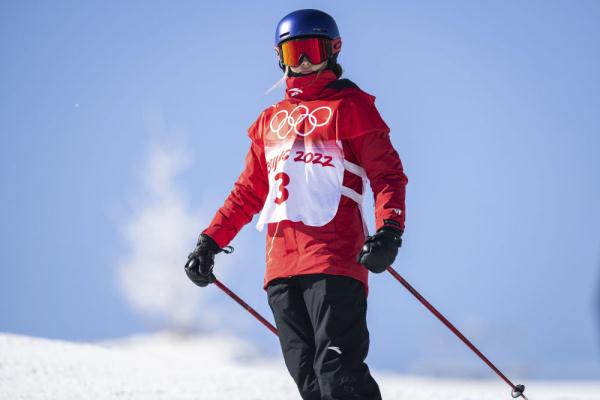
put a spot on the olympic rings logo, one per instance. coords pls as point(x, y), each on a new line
point(296, 117)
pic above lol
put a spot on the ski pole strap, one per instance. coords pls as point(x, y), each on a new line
point(517, 391)
point(227, 249)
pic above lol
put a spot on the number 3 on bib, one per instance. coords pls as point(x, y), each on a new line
point(283, 192)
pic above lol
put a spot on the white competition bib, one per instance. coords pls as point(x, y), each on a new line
point(305, 182)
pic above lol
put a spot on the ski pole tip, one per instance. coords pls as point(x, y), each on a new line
point(518, 392)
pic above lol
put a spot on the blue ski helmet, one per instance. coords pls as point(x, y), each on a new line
point(309, 23)
point(303, 23)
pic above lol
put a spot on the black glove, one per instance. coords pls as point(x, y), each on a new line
point(381, 249)
point(201, 261)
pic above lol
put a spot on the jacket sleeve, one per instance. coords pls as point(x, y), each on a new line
point(246, 199)
point(376, 154)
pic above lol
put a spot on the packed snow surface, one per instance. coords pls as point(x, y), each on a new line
point(214, 367)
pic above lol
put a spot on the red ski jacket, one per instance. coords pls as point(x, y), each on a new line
point(322, 109)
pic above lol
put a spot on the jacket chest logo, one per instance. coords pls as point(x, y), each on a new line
point(301, 120)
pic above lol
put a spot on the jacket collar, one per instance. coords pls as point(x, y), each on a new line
point(308, 87)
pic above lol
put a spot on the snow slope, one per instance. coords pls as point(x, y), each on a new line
point(168, 366)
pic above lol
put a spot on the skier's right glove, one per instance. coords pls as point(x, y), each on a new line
point(381, 249)
point(201, 261)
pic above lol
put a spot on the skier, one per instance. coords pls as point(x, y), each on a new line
point(310, 158)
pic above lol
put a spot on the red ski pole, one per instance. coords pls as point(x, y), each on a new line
point(517, 390)
point(245, 305)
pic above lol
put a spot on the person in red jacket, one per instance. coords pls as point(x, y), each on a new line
point(306, 172)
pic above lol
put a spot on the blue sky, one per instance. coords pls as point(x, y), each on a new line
point(123, 128)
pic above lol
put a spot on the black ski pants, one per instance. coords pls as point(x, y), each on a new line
point(323, 334)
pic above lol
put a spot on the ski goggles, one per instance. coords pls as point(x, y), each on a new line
point(316, 49)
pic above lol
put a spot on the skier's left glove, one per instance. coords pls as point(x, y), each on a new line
point(201, 261)
point(381, 249)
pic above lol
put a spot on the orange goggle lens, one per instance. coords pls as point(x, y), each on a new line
point(316, 49)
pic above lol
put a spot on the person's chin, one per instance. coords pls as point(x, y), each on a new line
point(302, 73)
